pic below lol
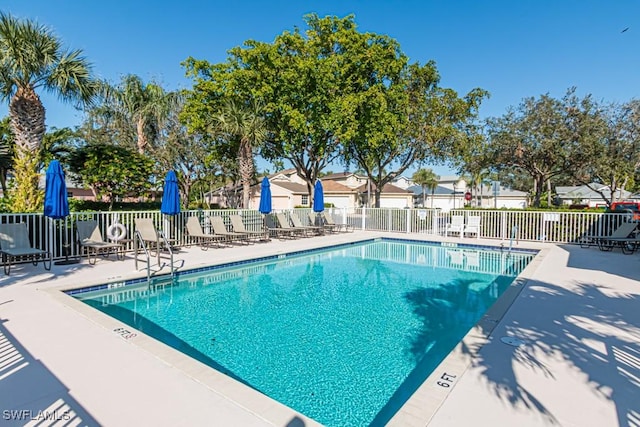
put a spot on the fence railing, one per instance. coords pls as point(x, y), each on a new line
point(58, 236)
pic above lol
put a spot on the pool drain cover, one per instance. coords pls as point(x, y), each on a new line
point(515, 342)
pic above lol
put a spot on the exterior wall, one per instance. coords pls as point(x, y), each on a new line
point(395, 201)
point(340, 201)
point(351, 181)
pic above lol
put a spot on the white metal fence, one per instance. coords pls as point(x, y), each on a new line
point(58, 236)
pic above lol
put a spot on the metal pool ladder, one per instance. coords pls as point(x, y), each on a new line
point(140, 243)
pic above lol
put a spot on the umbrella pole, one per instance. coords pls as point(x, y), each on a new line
point(66, 248)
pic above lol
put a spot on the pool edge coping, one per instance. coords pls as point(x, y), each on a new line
point(257, 403)
point(421, 407)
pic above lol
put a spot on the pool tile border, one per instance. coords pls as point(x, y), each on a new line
point(140, 280)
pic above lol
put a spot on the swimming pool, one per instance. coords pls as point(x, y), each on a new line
point(343, 335)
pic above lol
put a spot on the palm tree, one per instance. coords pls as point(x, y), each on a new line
point(247, 126)
point(32, 58)
point(148, 106)
point(6, 153)
point(427, 179)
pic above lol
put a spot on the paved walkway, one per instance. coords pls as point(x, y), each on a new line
point(577, 316)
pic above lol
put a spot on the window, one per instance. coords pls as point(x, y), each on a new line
point(305, 199)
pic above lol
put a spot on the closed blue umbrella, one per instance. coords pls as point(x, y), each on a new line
point(56, 204)
point(265, 196)
point(170, 195)
point(318, 197)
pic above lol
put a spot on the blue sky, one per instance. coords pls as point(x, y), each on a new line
point(514, 49)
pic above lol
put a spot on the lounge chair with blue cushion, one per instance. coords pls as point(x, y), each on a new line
point(15, 244)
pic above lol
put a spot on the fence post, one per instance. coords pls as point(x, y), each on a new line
point(408, 220)
point(435, 222)
point(364, 214)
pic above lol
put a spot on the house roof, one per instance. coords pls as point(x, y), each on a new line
point(386, 189)
point(335, 187)
point(340, 175)
point(487, 191)
point(292, 186)
point(584, 192)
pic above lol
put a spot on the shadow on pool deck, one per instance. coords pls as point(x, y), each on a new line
point(595, 333)
point(31, 394)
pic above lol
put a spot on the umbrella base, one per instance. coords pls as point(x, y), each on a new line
point(67, 261)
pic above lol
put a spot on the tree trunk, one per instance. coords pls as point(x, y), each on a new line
point(538, 184)
point(548, 193)
point(27, 116)
point(424, 195)
point(376, 195)
point(27, 197)
point(245, 163)
point(142, 136)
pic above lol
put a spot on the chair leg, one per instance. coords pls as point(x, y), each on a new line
point(6, 262)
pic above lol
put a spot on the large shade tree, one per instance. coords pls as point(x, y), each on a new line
point(543, 137)
point(401, 116)
point(298, 81)
point(31, 59)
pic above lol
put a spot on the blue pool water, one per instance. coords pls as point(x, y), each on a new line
point(344, 335)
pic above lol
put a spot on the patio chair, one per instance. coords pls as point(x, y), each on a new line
point(238, 227)
point(283, 224)
point(153, 239)
point(275, 230)
point(309, 228)
point(220, 229)
point(455, 226)
point(90, 240)
point(624, 236)
point(204, 240)
point(328, 219)
point(318, 220)
point(14, 244)
point(473, 226)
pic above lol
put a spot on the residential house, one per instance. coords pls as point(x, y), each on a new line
point(452, 193)
point(584, 195)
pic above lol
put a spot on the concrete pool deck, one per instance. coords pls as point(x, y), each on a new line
point(576, 314)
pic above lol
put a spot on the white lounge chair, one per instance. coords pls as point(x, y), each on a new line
point(14, 243)
point(473, 225)
point(91, 241)
point(455, 226)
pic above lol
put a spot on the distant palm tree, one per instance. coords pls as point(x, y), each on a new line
point(246, 125)
point(427, 179)
point(31, 58)
point(147, 106)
